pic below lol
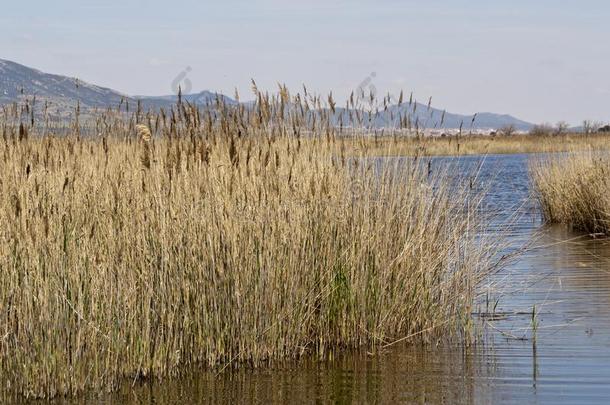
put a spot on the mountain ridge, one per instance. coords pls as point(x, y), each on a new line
point(64, 93)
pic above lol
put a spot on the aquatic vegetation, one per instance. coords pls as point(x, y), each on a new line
point(459, 145)
point(574, 189)
point(219, 236)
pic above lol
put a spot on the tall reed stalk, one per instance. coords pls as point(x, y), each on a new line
point(220, 237)
point(574, 189)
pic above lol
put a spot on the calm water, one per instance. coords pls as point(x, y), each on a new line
point(565, 277)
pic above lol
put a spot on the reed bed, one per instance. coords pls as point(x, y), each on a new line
point(456, 145)
point(219, 238)
point(574, 189)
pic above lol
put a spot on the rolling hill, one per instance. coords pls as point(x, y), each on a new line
point(63, 93)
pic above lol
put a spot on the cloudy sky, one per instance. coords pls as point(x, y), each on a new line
point(540, 60)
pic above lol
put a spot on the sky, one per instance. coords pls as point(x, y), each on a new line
point(539, 60)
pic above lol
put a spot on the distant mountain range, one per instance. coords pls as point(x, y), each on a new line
point(426, 117)
point(63, 93)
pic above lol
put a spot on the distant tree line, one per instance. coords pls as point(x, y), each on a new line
point(562, 127)
point(588, 127)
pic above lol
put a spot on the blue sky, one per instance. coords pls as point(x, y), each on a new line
point(540, 60)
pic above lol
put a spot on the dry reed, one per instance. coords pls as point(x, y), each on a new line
point(455, 145)
point(222, 236)
point(574, 189)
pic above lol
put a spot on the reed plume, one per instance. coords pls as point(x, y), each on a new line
point(145, 136)
point(254, 234)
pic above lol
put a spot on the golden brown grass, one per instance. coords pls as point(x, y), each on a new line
point(474, 144)
point(218, 238)
point(574, 189)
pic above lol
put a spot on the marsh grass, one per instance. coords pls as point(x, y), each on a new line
point(219, 238)
point(454, 145)
point(574, 189)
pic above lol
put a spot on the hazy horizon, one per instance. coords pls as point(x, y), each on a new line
point(540, 62)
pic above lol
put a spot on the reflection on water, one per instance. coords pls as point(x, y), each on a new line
point(397, 376)
point(566, 359)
